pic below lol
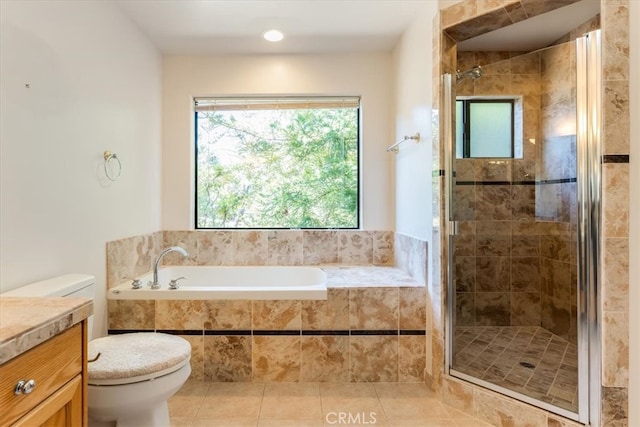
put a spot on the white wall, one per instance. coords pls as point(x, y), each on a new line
point(413, 60)
point(368, 75)
point(95, 84)
point(634, 217)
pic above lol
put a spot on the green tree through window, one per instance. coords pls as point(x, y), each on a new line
point(277, 167)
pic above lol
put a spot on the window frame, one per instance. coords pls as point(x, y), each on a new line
point(466, 135)
point(359, 213)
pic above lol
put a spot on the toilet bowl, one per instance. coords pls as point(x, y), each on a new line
point(135, 374)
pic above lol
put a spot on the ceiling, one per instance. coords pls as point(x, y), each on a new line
point(236, 26)
point(206, 27)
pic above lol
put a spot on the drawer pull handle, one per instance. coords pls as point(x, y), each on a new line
point(24, 387)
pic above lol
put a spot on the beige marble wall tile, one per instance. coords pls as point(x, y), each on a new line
point(465, 202)
point(373, 308)
point(227, 314)
point(250, 247)
point(616, 260)
point(458, 12)
point(276, 358)
point(499, 411)
point(382, 247)
point(216, 248)
point(437, 361)
point(494, 170)
point(131, 314)
point(615, 200)
point(276, 315)
point(413, 308)
point(329, 314)
point(492, 308)
point(227, 358)
point(466, 168)
point(493, 202)
point(557, 83)
point(411, 256)
point(493, 274)
point(284, 247)
point(615, 407)
point(320, 247)
point(494, 63)
point(615, 296)
point(479, 24)
point(187, 240)
point(484, 6)
point(525, 274)
point(411, 358)
point(197, 356)
point(615, 41)
point(525, 309)
point(179, 314)
point(615, 349)
point(374, 358)
point(324, 358)
point(131, 257)
point(616, 117)
point(557, 421)
point(465, 245)
point(355, 247)
point(458, 394)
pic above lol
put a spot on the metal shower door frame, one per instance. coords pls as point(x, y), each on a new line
point(589, 155)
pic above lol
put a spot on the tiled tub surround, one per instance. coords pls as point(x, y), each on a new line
point(359, 334)
point(372, 327)
point(479, 16)
point(133, 256)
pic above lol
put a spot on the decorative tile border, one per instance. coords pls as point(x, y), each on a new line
point(615, 158)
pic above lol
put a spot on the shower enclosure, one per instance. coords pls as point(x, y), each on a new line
point(523, 206)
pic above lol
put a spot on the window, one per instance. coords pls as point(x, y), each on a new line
point(485, 127)
point(284, 162)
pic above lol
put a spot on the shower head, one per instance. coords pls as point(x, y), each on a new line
point(474, 73)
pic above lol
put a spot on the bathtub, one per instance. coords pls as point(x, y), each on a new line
point(232, 282)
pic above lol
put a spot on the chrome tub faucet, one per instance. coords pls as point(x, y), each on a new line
point(156, 264)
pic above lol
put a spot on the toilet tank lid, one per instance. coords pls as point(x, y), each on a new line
point(60, 286)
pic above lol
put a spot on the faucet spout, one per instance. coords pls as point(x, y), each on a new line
point(156, 264)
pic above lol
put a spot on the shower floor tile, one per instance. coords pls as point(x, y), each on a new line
point(526, 359)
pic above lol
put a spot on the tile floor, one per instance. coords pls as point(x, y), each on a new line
point(200, 404)
point(497, 354)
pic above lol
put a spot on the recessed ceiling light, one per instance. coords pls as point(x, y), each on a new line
point(273, 35)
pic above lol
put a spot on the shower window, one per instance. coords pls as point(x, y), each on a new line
point(277, 162)
point(485, 127)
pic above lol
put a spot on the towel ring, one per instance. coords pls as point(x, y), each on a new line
point(112, 165)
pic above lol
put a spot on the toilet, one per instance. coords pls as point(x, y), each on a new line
point(135, 374)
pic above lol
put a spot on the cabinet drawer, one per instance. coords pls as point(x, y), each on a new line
point(51, 365)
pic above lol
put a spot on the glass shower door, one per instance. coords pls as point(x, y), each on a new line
point(519, 235)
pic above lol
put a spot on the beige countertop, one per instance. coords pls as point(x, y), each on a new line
point(340, 276)
point(27, 322)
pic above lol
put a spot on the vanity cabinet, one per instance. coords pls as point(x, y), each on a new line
point(59, 397)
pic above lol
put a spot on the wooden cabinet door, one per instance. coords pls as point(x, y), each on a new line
point(62, 408)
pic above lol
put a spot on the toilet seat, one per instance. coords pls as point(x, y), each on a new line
point(136, 357)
